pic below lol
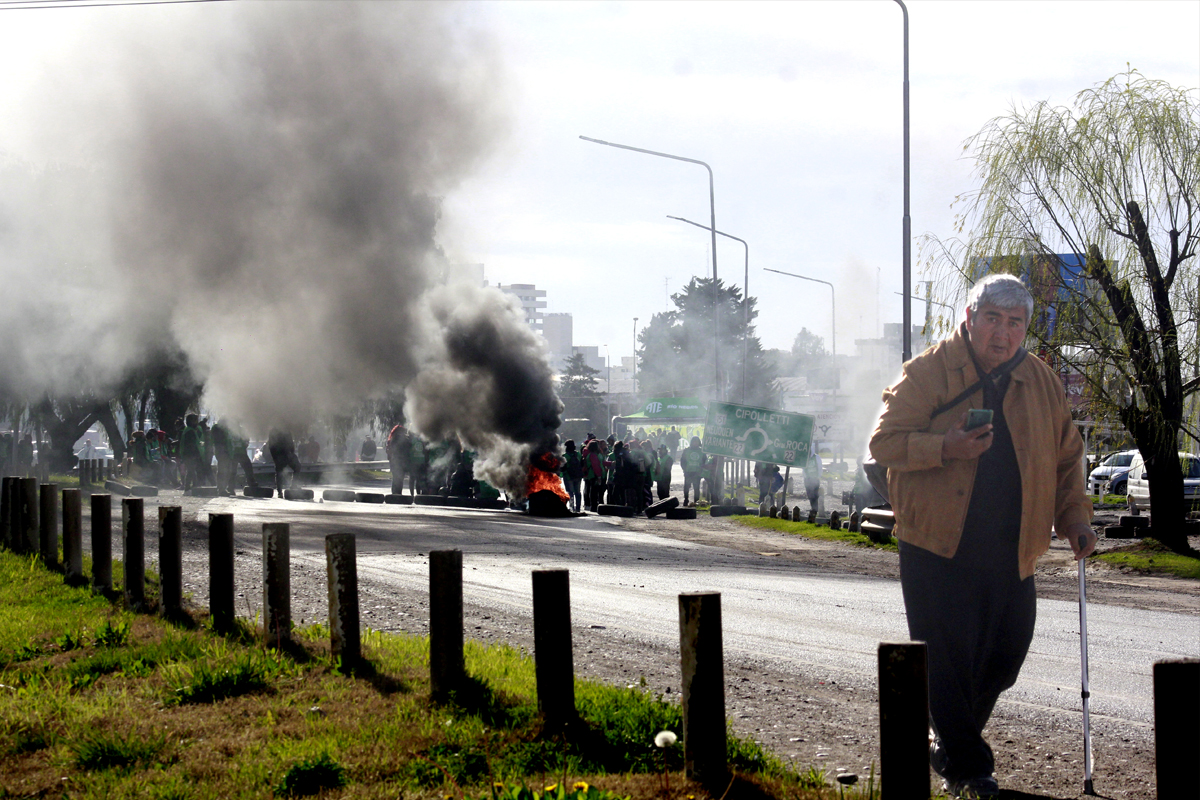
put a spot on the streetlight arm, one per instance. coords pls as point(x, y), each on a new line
point(712, 211)
point(745, 289)
point(832, 302)
point(705, 227)
point(651, 152)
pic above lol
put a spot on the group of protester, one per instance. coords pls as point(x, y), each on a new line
point(629, 471)
point(23, 464)
point(444, 468)
point(183, 458)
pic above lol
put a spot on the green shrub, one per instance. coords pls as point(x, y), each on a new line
point(101, 751)
point(206, 682)
point(311, 776)
point(110, 635)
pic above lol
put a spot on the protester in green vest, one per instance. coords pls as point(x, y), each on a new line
point(663, 473)
point(693, 461)
point(418, 462)
point(191, 451)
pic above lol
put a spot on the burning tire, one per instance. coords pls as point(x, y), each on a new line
point(368, 497)
point(258, 491)
point(615, 511)
point(462, 502)
point(298, 494)
point(195, 491)
point(681, 513)
point(398, 499)
point(339, 495)
point(429, 500)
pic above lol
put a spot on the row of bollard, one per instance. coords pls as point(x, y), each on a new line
point(95, 471)
point(30, 524)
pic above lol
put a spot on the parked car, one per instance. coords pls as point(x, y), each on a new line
point(1139, 481)
point(1113, 471)
point(93, 451)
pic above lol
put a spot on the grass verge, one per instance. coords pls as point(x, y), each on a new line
point(812, 531)
point(98, 702)
point(1150, 555)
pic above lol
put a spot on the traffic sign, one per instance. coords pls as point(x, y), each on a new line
point(758, 434)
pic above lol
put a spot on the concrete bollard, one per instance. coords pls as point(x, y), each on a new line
point(102, 543)
point(554, 662)
point(446, 667)
point(835, 520)
point(29, 533)
point(72, 535)
point(48, 525)
point(220, 570)
point(277, 581)
point(703, 693)
point(812, 516)
point(855, 520)
point(1177, 728)
point(773, 512)
point(342, 568)
point(85, 477)
point(170, 559)
point(762, 509)
point(133, 536)
point(904, 720)
point(796, 515)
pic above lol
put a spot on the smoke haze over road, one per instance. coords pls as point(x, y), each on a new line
point(262, 193)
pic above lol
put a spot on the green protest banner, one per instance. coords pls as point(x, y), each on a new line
point(758, 434)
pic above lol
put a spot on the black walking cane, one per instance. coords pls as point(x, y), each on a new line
point(1083, 651)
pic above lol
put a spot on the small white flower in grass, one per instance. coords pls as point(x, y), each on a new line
point(664, 739)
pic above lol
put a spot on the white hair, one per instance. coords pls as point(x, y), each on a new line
point(1001, 291)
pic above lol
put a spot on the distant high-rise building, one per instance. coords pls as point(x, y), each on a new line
point(558, 331)
point(532, 302)
point(591, 356)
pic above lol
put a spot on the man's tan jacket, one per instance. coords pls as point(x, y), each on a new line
point(930, 497)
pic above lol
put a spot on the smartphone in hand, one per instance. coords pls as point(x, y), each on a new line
point(977, 417)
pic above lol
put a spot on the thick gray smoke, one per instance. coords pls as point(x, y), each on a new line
point(487, 382)
point(259, 187)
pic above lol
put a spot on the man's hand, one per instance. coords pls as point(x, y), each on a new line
point(963, 444)
point(1080, 530)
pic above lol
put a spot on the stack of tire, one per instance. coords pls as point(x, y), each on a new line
point(877, 523)
point(1129, 526)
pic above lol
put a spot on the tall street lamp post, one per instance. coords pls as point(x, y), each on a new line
point(745, 290)
point(832, 302)
point(907, 222)
point(712, 211)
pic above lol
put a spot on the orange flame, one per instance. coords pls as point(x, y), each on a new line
point(541, 479)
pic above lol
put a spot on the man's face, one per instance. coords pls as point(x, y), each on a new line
point(996, 333)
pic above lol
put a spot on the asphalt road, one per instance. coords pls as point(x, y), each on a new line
point(797, 619)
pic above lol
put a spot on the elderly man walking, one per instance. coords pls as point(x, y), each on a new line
point(974, 506)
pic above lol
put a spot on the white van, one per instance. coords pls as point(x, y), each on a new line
point(1138, 486)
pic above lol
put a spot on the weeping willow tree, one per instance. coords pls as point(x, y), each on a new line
point(1095, 206)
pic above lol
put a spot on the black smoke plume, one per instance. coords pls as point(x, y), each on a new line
point(258, 186)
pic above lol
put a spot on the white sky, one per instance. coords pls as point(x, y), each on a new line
point(796, 105)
